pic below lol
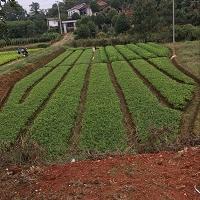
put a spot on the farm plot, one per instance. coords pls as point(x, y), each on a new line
point(72, 58)
point(165, 65)
point(60, 58)
point(85, 58)
point(102, 122)
point(113, 54)
point(110, 101)
point(52, 128)
point(14, 117)
point(156, 49)
point(141, 51)
point(100, 56)
point(144, 106)
point(9, 56)
point(177, 94)
point(130, 55)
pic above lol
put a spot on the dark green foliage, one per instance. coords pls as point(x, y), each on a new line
point(94, 6)
point(122, 24)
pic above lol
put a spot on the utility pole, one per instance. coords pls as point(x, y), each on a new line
point(174, 28)
point(60, 22)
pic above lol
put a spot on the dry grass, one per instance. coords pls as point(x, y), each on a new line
point(188, 55)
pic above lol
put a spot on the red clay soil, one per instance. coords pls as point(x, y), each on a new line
point(162, 176)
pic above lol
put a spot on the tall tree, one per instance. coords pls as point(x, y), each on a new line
point(145, 17)
point(34, 8)
point(13, 13)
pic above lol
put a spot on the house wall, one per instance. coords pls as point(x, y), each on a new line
point(89, 12)
point(71, 12)
point(53, 23)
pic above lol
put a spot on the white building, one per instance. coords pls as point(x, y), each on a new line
point(81, 9)
point(70, 24)
point(52, 22)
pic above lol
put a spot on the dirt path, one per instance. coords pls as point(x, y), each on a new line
point(166, 175)
point(66, 38)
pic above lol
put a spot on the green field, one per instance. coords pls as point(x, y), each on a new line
point(47, 105)
point(8, 56)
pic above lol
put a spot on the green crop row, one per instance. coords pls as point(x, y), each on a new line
point(72, 58)
point(160, 47)
point(14, 117)
point(86, 57)
point(140, 51)
point(59, 59)
point(130, 55)
point(100, 56)
point(113, 54)
point(102, 128)
point(147, 112)
point(177, 94)
point(159, 51)
point(52, 128)
point(8, 56)
point(166, 65)
point(23, 85)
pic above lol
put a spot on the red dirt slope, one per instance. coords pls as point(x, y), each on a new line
point(162, 176)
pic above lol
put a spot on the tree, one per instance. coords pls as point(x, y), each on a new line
point(34, 8)
point(13, 13)
point(117, 4)
point(92, 28)
point(100, 20)
point(2, 2)
point(76, 16)
point(83, 31)
point(53, 11)
point(122, 25)
point(145, 17)
point(94, 6)
point(3, 30)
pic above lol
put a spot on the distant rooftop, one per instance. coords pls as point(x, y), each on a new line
point(78, 7)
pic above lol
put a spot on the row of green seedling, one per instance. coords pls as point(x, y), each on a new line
point(159, 50)
point(130, 55)
point(165, 65)
point(113, 54)
point(52, 128)
point(176, 93)
point(102, 128)
point(141, 51)
point(14, 116)
point(148, 114)
point(100, 56)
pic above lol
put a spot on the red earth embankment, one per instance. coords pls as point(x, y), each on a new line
point(166, 175)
